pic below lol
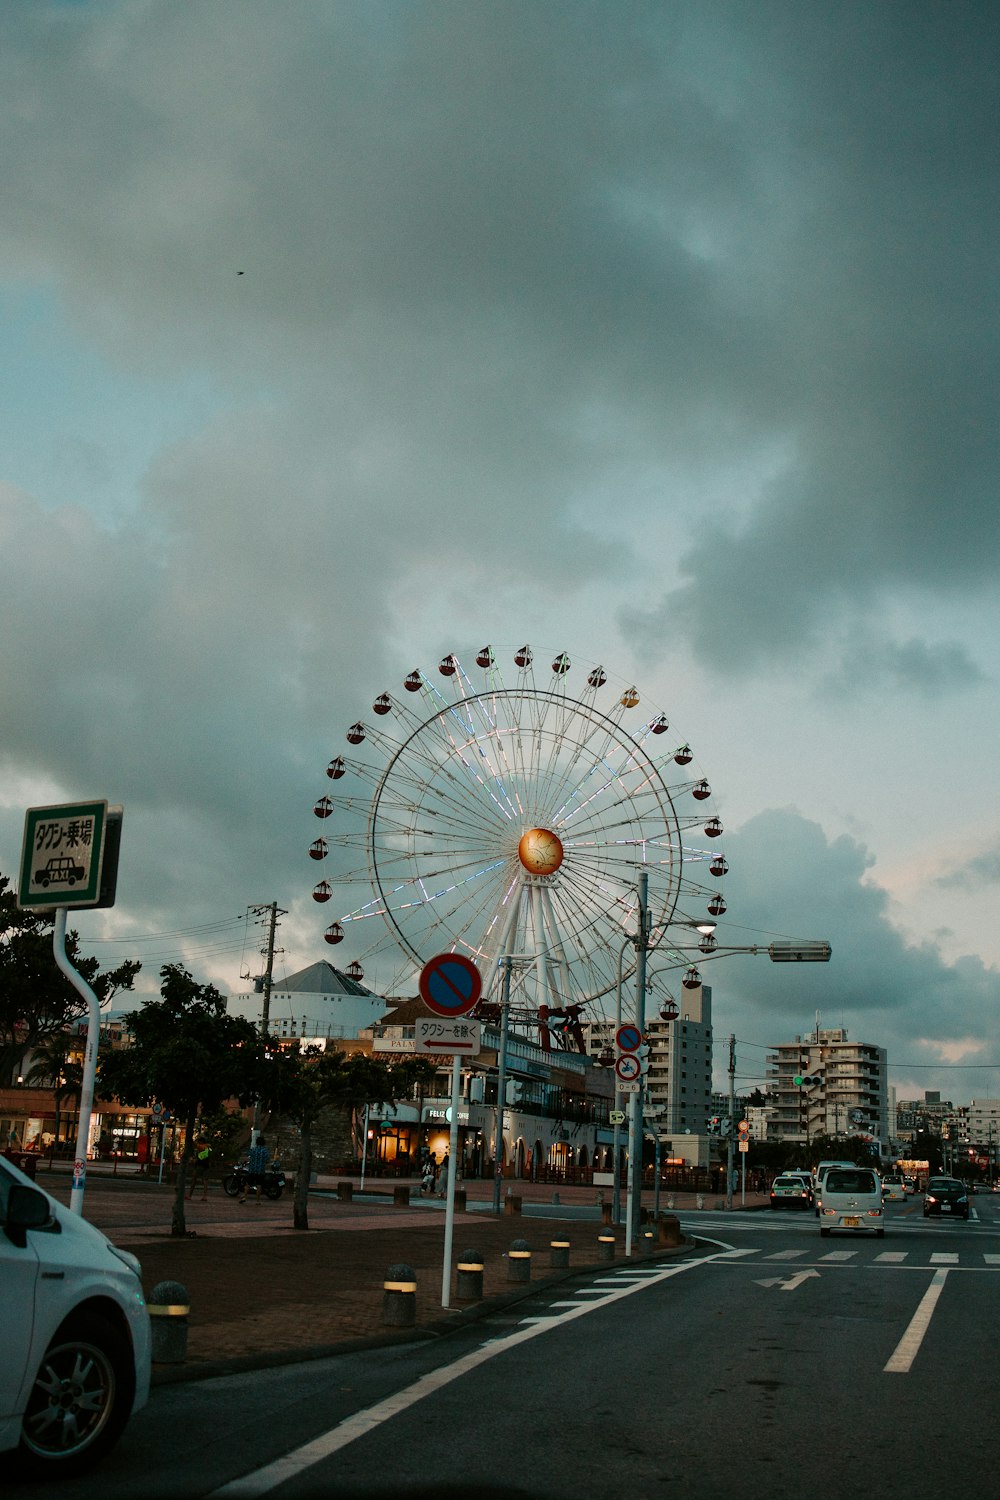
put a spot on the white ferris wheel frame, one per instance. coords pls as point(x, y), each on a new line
point(465, 776)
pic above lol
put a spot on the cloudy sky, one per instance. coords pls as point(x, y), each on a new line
point(341, 335)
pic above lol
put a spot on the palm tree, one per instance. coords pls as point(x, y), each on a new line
point(50, 1064)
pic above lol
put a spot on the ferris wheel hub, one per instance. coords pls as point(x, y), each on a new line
point(540, 851)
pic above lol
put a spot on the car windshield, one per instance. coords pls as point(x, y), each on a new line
point(944, 1185)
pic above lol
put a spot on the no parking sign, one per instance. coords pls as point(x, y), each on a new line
point(450, 985)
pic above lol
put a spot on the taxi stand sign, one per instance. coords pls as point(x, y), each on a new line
point(69, 856)
point(70, 859)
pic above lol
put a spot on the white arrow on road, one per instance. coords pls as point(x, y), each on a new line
point(791, 1283)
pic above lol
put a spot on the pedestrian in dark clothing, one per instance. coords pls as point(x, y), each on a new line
point(256, 1166)
point(200, 1166)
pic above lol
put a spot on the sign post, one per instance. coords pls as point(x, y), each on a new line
point(69, 858)
point(450, 986)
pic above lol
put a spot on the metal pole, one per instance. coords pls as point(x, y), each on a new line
point(501, 1084)
point(90, 1057)
point(364, 1147)
point(616, 1188)
point(732, 1122)
point(633, 1208)
point(449, 1213)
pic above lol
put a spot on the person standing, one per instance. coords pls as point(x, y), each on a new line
point(199, 1173)
point(443, 1177)
point(256, 1167)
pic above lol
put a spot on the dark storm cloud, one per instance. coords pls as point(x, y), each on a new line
point(522, 246)
point(694, 305)
point(787, 875)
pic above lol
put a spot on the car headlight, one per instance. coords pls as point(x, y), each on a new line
point(127, 1259)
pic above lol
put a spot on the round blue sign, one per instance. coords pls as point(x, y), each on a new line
point(629, 1038)
point(450, 985)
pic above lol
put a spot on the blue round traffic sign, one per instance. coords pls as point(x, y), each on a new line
point(629, 1038)
point(450, 985)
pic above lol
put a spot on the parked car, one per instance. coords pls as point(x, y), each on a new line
point(946, 1195)
point(852, 1199)
point(76, 1336)
point(893, 1189)
point(792, 1190)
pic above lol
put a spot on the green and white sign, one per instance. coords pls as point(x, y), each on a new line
point(63, 855)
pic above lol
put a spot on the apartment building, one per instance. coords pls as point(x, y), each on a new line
point(822, 1083)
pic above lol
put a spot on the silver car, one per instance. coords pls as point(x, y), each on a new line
point(76, 1356)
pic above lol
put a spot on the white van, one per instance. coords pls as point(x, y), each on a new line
point(819, 1172)
point(852, 1199)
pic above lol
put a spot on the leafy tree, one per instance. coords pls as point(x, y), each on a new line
point(50, 1064)
point(36, 999)
point(188, 1054)
point(306, 1083)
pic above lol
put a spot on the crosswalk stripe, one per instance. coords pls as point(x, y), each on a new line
point(839, 1255)
point(940, 1259)
point(786, 1255)
point(894, 1257)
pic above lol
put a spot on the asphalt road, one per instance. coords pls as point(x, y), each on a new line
point(771, 1362)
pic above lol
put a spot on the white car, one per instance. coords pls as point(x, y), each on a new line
point(76, 1337)
point(893, 1189)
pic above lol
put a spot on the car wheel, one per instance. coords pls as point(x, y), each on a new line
point(80, 1398)
point(824, 1232)
point(880, 1234)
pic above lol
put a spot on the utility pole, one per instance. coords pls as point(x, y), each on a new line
point(732, 1122)
point(274, 912)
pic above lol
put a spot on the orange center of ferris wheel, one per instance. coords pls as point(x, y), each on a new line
point(540, 851)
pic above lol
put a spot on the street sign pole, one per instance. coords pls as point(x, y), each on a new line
point(633, 1201)
point(501, 1084)
point(89, 1062)
point(449, 1213)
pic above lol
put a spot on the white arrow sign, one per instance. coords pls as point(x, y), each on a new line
point(791, 1283)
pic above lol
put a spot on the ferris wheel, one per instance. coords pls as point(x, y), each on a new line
point(510, 820)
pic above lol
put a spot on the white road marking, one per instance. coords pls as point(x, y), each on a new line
point(992, 1260)
point(893, 1257)
point(941, 1259)
point(787, 1255)
point(291, 1465)
point(906, 1350)
point(839, 1255)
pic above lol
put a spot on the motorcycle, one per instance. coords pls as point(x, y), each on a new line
point(237, 1179)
